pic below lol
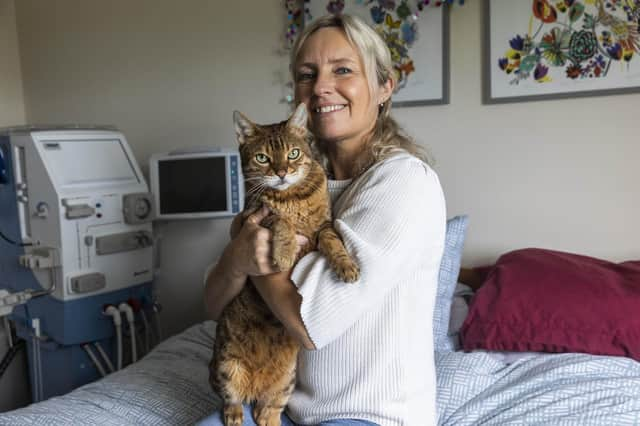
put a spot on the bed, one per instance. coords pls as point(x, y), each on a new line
point(169, 386)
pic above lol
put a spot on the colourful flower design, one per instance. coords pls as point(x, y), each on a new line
point(544, 11)
point(574, 71)
point(582, 46)
point(581, 36)
point(554, 45)
point(541, 73)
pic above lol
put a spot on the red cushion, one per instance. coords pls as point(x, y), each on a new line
point(549, 301)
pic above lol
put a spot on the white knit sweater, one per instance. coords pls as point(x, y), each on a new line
point(374, 359)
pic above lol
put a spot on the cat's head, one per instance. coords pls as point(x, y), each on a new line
point(275, 156)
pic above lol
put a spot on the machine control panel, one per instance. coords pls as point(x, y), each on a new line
point(88, 282)
point(124, 241)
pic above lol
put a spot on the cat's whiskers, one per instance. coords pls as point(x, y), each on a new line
point(255, 192)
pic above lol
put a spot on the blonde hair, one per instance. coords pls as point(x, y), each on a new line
point(387, 136)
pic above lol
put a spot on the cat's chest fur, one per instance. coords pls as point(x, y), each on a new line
point(306, 214)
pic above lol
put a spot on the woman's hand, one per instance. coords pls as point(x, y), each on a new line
point(251, 245)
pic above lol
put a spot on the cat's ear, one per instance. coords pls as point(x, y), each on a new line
point(298, 121)
point(244, 127)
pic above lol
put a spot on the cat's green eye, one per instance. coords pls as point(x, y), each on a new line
point(293, 154)
point(262, 159)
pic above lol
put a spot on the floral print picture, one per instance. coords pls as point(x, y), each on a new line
point(546, 48)
point(415, 33)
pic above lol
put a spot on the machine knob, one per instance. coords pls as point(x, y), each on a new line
point(142, 208)
point(42, 210)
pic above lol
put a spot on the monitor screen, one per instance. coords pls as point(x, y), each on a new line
point(193, 185)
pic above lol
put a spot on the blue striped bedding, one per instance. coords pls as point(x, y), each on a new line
point(547, 389)
point(169, 387)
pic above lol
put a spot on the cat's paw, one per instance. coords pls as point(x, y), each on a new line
point(283, 261)
point(283, 252)
point(232, 415)
point(267, 417)
point(347, 270)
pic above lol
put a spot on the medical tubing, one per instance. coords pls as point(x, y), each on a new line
point(114, 313)
point(9, 356)
point(95, 361)
point(37, 364)
point(119, 347)
point(128, 311)
point(156, 317)
point(7, 328)
point(36, 393)
point(39, 293)
point(37, 367)
point(104, 356)
point(10, 241)
point(147, 336)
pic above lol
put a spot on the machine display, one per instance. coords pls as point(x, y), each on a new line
point(76, 251)
point(196, 185)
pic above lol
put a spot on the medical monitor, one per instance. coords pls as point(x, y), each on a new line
point(196, 185)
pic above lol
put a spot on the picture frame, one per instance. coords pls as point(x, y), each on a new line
point(542, 49)
point(428, 82)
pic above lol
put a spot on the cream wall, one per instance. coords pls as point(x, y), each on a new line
point(11, 98)
point(14, 389)
point(556, 174)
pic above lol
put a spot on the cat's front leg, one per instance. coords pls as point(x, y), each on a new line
point(283, 250)
point(331, 246)
point(267, 415)
point(232, 414)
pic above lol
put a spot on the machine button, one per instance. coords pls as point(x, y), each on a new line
point(78, 211)
point(88, 283)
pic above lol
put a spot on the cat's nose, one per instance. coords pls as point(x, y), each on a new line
point(281, 173)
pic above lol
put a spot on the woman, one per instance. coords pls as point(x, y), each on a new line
point(368, 356)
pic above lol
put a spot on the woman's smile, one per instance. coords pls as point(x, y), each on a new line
point(330, 79)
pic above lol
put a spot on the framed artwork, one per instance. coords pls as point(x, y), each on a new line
point(549, 49)
point(418, 39)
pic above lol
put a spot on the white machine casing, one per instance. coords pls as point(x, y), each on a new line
point(71, 191)
point(76, 221)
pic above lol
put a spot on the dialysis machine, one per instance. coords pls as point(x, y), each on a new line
point(76, 246)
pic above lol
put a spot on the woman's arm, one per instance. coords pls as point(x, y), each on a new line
point(223, 284)
point(280, 294)
point(246, 254)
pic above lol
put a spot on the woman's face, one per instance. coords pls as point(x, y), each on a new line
point(331, 81)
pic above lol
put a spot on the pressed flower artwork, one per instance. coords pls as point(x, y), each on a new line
point(416, 33)
point(540, 49)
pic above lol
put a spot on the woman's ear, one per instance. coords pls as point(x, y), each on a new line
point(386, 90)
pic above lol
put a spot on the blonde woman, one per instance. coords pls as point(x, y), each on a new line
point(368, 346)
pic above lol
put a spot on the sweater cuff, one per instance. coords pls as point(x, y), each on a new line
point(299, 276)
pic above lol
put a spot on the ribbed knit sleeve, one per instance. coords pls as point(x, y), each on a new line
point(381, 217)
